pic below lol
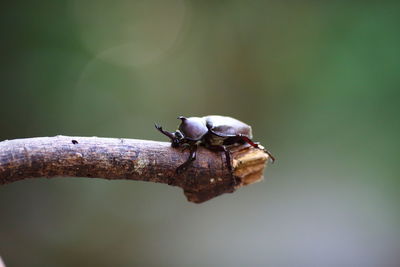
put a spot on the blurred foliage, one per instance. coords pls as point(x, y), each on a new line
point(318, 81)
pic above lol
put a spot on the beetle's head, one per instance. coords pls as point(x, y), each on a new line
point(193, 128)
point(177, 140)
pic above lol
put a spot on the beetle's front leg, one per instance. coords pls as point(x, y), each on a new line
point(192, 157)
point(168, 134)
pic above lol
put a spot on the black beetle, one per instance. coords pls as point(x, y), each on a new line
point(214, 132)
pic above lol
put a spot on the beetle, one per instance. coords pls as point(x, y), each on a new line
point(214, 132)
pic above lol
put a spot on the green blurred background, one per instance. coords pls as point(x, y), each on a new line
point(317, 80)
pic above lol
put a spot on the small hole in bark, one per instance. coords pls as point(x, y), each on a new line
point(74, 142)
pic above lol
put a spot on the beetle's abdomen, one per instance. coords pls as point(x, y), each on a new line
point(227, 126)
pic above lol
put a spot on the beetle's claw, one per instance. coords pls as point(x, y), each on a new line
point(158, 126)
point(272, 158)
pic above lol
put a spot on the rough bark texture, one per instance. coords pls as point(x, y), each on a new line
point(130, 159)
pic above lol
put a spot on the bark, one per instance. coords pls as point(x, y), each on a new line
point(130, 159)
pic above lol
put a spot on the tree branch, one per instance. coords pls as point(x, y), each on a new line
point(130, 159)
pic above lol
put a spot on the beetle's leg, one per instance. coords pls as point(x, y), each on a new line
point(227, 158)
point(168, 134)
point(227, 154)
point(192, 157)
point(249, 141)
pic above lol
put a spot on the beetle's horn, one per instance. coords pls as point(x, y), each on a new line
point(182, 118)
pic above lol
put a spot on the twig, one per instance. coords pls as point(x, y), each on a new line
point(130, 159)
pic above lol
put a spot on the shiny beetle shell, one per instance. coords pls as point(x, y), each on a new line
point(222, 126)
point(193, 128)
